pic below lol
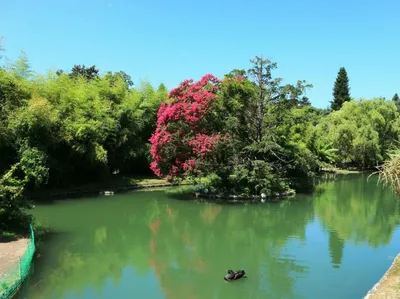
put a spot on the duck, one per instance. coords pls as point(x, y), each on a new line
point(230, 276)
point(235, 275)
point(240, 274)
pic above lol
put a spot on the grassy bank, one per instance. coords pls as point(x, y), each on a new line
point(345, 171)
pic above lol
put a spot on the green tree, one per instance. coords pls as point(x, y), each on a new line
point(127, 79)
point(363, 131)
point(265, 127)
point(396, 100)
point(13, 217)
point(21, 68)
point(13, 204)
point(267, 92)
point(341, 90)
point(88, 73)
point(75, 130)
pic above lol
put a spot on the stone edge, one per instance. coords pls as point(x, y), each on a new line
point(384, 277)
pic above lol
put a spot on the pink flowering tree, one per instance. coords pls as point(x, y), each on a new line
point(185, 138)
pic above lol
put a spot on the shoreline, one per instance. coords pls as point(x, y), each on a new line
point(16, 258)
point(95, 192)
point(125, 184)
point(345, 171)
point(246, 199)
point(121, 185)
point(389, 285)
point(11, 253)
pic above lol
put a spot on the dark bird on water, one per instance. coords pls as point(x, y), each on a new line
point(235, 275)
point(230, 275)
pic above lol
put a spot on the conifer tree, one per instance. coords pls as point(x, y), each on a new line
point(341, 90)
point(396, 100)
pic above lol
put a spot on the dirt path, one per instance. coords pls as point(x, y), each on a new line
point(389, 286)
point(10, 253)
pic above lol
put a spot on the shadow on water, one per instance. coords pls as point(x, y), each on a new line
point(145, 244)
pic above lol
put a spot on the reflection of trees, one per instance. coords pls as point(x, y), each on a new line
point(193, 249)
point(336, 246)
point(357, 210)
point(188, 245)
point(103, 242)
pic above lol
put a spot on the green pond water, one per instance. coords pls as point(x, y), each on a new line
point(334, 244)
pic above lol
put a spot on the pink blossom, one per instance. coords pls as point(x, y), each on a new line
point(190, 105)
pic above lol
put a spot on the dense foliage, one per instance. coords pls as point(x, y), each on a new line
point(396, 100)
point(245, 133)
point(249, 134)
point(60, 130)
point(363, 131)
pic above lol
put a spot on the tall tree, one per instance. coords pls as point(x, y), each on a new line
point(396, 100)
point(21, 67)
point(87, 72)
point(341, 90)
point(121, 74)
point(268, 90)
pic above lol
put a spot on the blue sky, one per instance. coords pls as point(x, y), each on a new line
point(169, 41)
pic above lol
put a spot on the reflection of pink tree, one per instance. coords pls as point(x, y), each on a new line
point(154, 225)
point(171, 284)
point(191, 240)
point(210, 213)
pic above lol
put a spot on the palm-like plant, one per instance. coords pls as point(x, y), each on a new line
point(325, 151)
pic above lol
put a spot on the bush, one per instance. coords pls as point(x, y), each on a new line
point(179, 192)
point(389, 172)
point(13, 204)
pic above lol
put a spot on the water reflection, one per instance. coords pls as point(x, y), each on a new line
point(132, 244)
point(189, 246)
point(336, 246)
point(356, 210)
point(203, 242)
